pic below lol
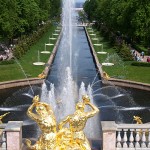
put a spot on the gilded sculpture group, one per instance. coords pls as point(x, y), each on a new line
point(59, 137)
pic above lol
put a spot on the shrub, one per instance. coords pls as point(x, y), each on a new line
point(124, 52)
point(27, 41)
point(18, 51)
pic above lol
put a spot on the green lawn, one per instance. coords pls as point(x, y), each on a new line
point(14, 71)
point(121, 69)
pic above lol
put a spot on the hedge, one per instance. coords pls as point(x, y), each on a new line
point(143, 64)
point(27, 40)
point(7, 62)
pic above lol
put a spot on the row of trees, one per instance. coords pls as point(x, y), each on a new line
point(19, 17)
point(130, 18)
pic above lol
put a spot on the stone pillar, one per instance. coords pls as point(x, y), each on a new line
point(14, 135)
point(109, 135)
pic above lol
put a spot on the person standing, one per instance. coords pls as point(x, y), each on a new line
point(142, 54)
point(148, 59)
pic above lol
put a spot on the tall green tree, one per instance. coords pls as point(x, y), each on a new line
point(8, 18)
point(131, 18)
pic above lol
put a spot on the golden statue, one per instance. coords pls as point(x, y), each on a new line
point(138, 119)
point(42, 75)
point(77, 122)
point(65, 140)
point(2, 116)
point(72, 138)
point(106, 76)
point(46, 121)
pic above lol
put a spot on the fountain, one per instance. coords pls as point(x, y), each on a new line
point(107, 63)
point(55, 34)
point(38, 63)
point(57, 30)
point(67, 91)
point(52, 38)
point(45, 50)
point(95, 39)
point(93, 34)
point(100, 52)
point(71, 82)
point(91, 31)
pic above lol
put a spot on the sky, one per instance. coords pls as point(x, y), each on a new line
point(80, 0)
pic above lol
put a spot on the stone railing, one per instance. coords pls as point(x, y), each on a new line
point(11, 135)
point(125, 136)
point(2, 137)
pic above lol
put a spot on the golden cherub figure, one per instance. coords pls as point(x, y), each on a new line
point(42, 75)
point(45, 119)
point(2, 116)
point(77, 122)
point(138, 119)
point(106, 76)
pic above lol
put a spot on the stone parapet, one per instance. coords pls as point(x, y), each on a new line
point(13, 132)
point(109, 135)
point(128, 83)
point(19, 83)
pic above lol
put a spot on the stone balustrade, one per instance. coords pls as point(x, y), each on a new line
point(11, 135)
point(125, 136)
point(2, 137)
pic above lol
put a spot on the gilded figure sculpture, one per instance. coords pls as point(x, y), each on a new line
point(106, 76)
point(72, 138)
point(46, 121)
point(138, 119)
point(2, 116)
point(77, 122)
point(42, 75)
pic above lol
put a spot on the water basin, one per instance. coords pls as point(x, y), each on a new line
point(95, 39)
point(98, 44)
point(39, 63)
point(55, 34)
point(107, 64)
point(102, 52)
point(52, 38)
point(45, 52)
point(92, 34)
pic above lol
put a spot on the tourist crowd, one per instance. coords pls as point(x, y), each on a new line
point(139, 56)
